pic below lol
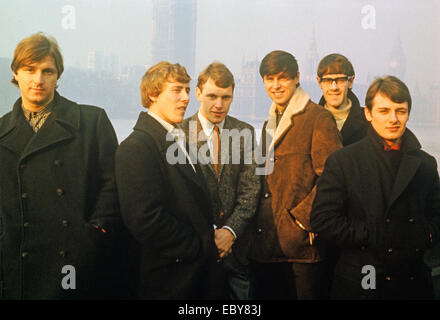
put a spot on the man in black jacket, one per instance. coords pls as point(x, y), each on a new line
point(59, 214)
point(163, 196)
point(379, 201)
point(335, 76)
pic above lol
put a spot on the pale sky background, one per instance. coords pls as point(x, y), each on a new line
point(230, 30)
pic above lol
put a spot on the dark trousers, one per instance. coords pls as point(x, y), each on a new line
point(238, 278)
point(289, 281)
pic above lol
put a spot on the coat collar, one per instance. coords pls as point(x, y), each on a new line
point(297, 104)
point(64, 119)
point(201, 139)
point(356, 117)
point(153, 128)
point(409, 163)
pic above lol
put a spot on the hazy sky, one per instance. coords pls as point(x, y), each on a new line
point(230, 30)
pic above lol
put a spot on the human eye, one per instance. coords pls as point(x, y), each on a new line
point(341, 80)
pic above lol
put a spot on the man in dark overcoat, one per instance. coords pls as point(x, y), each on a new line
point(59, 214)
point(379, 201)
point(163, 195)
point(230, 172)
point(335, 76)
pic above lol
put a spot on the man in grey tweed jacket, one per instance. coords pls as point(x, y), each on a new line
point(225, 151)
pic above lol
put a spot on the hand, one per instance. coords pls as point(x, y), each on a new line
point(224, 239)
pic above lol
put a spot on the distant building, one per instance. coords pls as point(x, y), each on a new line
point(251, 102)
point(174, 32)
point(397, 60)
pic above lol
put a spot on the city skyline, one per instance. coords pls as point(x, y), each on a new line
point(116, 41)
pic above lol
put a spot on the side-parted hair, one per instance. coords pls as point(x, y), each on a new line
point(335, 63)
point(219, 73)
point(279, 61)
point(35, 48)
point(156, 76)
point(391, 87)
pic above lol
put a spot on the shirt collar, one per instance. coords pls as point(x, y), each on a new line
point(208, 126)
point(168, 126)
point(48, 108)
point(395, 146)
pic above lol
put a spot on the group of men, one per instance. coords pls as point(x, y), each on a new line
point(195, 208)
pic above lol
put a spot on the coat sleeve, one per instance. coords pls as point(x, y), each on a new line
point(329, 211)
point(106, 212)
point(432, 212)
point(248, 190)
point(325, 140)
point(143, 195)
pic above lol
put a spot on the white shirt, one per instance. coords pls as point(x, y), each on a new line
point(208, 129)
point(178, 134)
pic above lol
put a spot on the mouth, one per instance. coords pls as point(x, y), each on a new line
point(393, 129)
point(182, 109)
point(277, 93)
point(217, 114)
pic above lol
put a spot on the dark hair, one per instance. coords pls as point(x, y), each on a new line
point(219, 73)
point(391, 87)
point(335, 63)
point(279, 61)
point(35, 48)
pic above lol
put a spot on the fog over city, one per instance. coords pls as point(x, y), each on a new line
point(108, 45)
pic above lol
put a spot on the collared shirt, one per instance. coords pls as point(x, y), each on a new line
point(395, 146)
point(279, 115)
point(178, 134)
point(208, 129)
point(38, 118)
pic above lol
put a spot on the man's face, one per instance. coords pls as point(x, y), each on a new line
point(37, 82)
point(214, 101)
point(171, 103)
point(335, 88)
point(280, 87)
point(388, 118)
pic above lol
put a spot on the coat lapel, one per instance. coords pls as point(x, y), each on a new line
point(56, 128)
point(409, 164)
point(149, 125)
point(15, 132)
point(297, 104)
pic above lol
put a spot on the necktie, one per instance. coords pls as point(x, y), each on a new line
point(216, 148)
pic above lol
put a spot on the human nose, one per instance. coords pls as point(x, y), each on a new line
point(334, 85)
point(38, 77)
point(275, 83)
point(185, 96)
point(393, 117)
point(218, 103)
